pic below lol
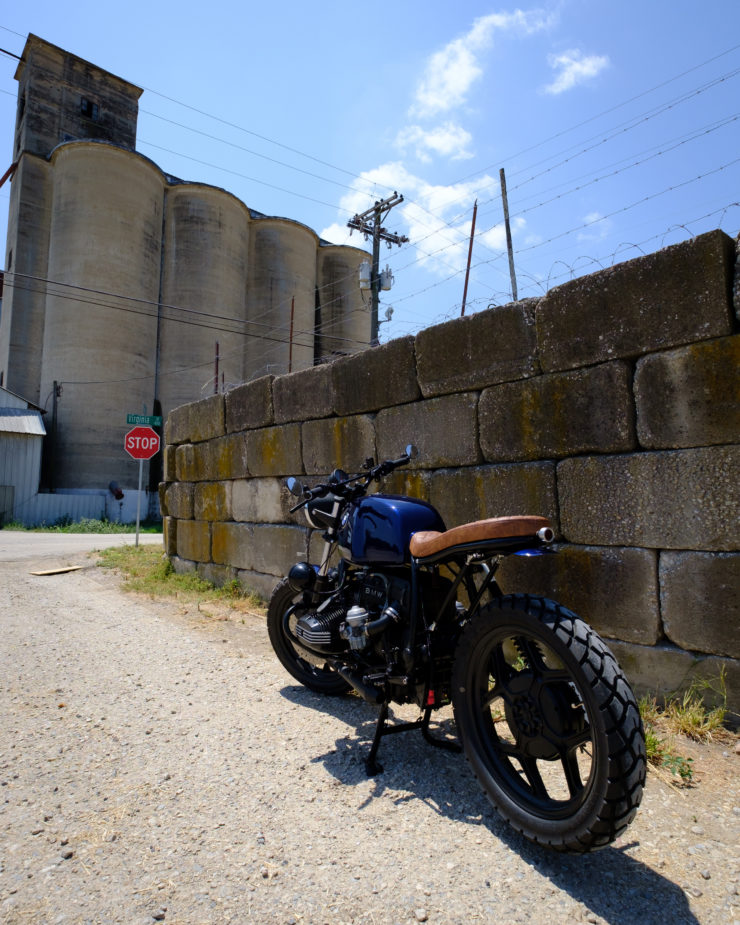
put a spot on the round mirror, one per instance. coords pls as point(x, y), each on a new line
point(294, 487)
point(412, 451)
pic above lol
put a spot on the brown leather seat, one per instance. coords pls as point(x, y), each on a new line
point(429, 542)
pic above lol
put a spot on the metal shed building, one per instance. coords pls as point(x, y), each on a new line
point(21, 436)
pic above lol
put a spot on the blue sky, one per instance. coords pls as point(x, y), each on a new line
point(617, 124)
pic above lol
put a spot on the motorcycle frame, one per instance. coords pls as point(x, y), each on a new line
point(463, 562)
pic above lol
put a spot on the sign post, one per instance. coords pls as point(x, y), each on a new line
point(141, 443)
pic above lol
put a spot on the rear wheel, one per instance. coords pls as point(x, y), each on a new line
point(548, 723)
point(312, 671)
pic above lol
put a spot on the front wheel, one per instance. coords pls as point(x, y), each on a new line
point(312, 671)
point(548, 723)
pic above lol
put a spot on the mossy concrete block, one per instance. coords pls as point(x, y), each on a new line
point(179, 500)
point(665, 671)
point(182, 566)
point(233, 544)
point(303, 395)
point(207, 419)
point(496, 345)
point(177, 426)
point(562, 414)
point(194, 540)
point(249, 405)
point(338, 443)
point(169, 466)
point(198, 421)
point(677, 499)
point(212, 501)
point(261, 501)
point(700, 601)
point(275, 450)
point(614, 589)
point(414, 483)
point(277, 548)
point(376, 378)
point(445, 431)
point(162, 496)
point(479, 492)
point(169, 530)
point(257, 582)
point(736, 287)
point(689, 396)
point(675, 296)
point(217, 575)
point(226, 458)
point(191, 462)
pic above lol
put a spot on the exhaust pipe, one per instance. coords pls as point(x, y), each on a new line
point(366, 691)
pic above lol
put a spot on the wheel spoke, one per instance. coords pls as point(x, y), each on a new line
point(533, 776)
point(572, 742)
point(572, 772)
point(499, 671)
point(499, 668)
point(492, 695)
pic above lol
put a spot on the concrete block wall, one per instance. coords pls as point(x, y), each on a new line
point(610, 405)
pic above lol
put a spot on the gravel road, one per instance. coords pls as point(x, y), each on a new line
point(157, 764)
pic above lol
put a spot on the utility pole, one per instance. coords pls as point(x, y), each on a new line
point(369, 223)
point(470, 255)
point(510, 249)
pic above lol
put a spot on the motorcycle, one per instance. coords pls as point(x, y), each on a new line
point(411, 613)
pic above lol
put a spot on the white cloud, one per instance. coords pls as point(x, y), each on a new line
point(574, 68)
point(597, 227)
point(435, 217)
point(451, 72)
point(447, 140)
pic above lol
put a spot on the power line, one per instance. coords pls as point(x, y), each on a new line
point(140, 309)
point(606, 112)
point(244, 176)
point(152, 303)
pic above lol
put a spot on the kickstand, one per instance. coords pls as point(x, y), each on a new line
point(382, 728)
point(371, 765)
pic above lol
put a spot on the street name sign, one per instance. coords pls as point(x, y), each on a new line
point(148, 420)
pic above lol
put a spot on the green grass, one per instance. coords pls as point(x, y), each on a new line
point(147, 570)
point(699, 713)
point(88, 525)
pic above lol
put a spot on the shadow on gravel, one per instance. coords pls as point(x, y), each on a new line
point(614, 886)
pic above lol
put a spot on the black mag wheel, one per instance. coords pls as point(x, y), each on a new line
point(312, 671)
point(549, 723)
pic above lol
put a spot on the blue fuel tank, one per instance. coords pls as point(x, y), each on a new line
point(377, 530)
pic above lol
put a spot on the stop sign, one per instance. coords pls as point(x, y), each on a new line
point(141, 443)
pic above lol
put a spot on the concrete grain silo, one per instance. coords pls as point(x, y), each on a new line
point(100, 335)
point(204, 293)
point(120, 279)
point(24, 298)
point(282, 274)
point(344, 316)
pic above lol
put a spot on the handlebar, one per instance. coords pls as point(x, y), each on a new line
point(359, 482)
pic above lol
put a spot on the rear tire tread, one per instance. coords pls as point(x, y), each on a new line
point(616, 705)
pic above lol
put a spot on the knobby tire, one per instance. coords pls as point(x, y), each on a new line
point(538, 696)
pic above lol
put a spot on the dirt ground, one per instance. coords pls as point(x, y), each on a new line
point(157, 764)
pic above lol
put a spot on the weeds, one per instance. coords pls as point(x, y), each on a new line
point(87, 525)
point(686, 714)
point(148, 571)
